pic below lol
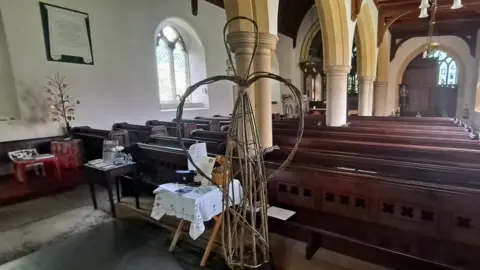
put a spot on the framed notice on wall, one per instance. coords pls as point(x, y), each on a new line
point(67, 35)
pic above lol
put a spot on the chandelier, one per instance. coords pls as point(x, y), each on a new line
point(425, 4)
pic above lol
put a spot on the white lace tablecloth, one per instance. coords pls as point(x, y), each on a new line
point(197, 206)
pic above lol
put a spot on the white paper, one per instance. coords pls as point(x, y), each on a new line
point(198, 151)
point(206, 165)
point(280, 213)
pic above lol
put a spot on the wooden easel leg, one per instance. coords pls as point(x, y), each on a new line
point(206, 254)
point(176, 236)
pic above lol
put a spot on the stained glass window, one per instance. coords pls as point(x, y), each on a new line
point(447, 69)
point(172, 65)
point(352, 76)
point(452, 73)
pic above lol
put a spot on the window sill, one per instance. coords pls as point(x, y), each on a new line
point(172, 107)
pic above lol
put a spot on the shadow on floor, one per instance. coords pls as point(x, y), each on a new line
point(116, 245)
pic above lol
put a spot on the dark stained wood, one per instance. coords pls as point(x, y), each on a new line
point(401, 18)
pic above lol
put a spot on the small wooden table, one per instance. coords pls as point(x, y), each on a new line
point(20, 166)
point(105, 178)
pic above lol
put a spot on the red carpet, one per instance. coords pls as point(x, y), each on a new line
point(12, 191)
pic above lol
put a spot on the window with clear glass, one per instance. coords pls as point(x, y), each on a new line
point(172, 65)
point(447, 69)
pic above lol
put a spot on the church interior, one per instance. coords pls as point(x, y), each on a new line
point(239, 134)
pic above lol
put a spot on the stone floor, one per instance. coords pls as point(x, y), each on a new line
point(115, 245)
point(64, 232)
point(31, 225)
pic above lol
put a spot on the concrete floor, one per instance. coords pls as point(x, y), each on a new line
point(29, 226)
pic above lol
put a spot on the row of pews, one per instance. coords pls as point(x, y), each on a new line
point(397, 191)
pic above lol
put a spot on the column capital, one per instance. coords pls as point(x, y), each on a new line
point(380, 83)
point(337, 70)
point(246, 40)
point(366, 78)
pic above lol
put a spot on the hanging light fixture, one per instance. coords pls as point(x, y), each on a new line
point(430, 46)
point(423, 13)
point(457, 4)
point(425, 4)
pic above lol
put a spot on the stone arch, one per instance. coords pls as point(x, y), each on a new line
point(461, 64)
point(307, 41)
point(365, 40)
point(333, 19)
point(264, 12)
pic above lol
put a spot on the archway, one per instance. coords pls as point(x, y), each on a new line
point(313, 79)
point(366, 54)
point(398, 74)
point(435, 95)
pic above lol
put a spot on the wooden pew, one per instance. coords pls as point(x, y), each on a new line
point(438, 121)
point(431, 221)
point(92, 140)
point(451, 174)
point(349, 214)
point(424, 154)
point(213, 147)
point(409, 126)
point(378, 130)
point(187, 127)
point(466, 143)
point(138, 133)
point(212, 125)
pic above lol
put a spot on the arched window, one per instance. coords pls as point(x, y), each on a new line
point(172, 65)
point(447, 69)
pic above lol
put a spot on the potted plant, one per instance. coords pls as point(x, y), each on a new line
point(62, 105)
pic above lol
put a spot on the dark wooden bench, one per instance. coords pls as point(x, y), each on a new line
point(418, 170)
point(213, 147)
point(466, 143)
point(186, 127)
point(92, 139)
point(376, 130)
point(425, 220)
point(430, 154)
point(139, 133)
point(212, 125)
point(409, 126)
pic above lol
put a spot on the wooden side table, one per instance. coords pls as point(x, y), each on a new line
point(106, 178)
point(68, 152)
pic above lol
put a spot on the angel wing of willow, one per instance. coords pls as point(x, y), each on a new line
point(243, 149)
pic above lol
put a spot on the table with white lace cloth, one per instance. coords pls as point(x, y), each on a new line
point(196, 206)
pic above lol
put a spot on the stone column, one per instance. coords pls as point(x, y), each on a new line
point(263, 88)
point(336, 95)
point(380, 98)
point(365, 95)
point(242, 43)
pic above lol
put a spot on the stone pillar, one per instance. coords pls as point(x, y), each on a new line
point(336, 95)
point(242, 43)
point(263, 88)
point(380, 98)
point(365, 95)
